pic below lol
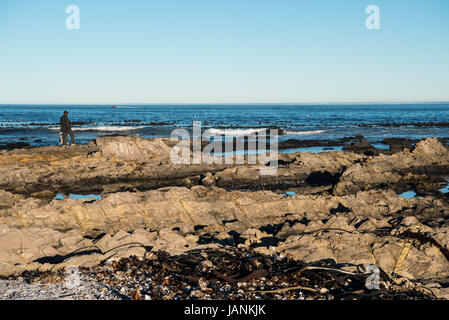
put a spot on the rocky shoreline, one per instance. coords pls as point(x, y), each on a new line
point(339, 210)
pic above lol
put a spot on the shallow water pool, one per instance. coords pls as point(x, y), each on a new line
point(446, 188)
point(60, 196)
point(408, 194)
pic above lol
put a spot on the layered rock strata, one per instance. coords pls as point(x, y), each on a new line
point(346, 207)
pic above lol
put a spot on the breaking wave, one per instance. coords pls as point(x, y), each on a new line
point(305, 132)
point(112, 129)
point(235, 132)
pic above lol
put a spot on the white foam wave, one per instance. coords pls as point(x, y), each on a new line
point(114, 129)
point(235, 132)
point(305, 132)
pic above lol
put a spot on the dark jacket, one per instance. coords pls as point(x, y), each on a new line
point(65, 124)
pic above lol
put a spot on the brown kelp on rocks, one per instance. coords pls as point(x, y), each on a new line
point(234, 274)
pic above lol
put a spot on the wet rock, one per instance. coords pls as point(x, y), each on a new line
point(399, 144)
point(362, 146)
point(16, 145)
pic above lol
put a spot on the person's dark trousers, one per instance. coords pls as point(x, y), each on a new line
point(64, 138)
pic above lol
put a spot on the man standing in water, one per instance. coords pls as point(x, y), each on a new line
point(66, 129)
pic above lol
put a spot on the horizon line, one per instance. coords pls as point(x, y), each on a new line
point(234, 103)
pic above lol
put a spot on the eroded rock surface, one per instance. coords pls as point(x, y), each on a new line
point(400, 169)
point(346, 207)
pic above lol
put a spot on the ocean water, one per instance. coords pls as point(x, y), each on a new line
point(39, 124)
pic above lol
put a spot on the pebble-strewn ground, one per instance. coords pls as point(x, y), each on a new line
point(20, 289)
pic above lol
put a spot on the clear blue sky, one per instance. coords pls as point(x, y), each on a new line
point(166, 51)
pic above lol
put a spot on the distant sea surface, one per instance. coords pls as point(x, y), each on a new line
point(39, 124)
